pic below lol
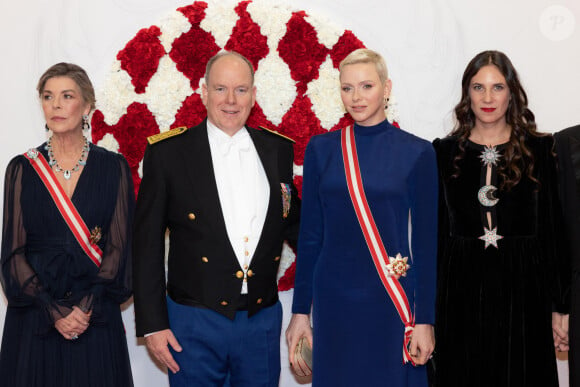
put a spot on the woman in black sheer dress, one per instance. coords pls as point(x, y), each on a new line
point(63, 323)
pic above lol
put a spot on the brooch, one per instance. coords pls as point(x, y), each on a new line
point(32, 153)
point(95, 236)
point(486, 196)
point(489, 155)
point(286, 198)
point(490, 237)
point(398, 266)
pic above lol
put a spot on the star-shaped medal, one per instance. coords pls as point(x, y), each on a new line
point(489, 155)
point(490, 237)
point(398, 266)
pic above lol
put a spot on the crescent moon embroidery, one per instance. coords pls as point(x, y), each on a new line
point(486, 196)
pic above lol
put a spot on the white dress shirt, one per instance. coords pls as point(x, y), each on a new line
point(243, 191)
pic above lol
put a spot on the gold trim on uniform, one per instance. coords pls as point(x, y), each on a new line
point(277, 134)
point(167, 134)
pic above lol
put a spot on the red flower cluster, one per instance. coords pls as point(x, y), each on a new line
point(131, 133)
point(302, 51)
point(246, 37)
point(286, 282)
point(140, 57)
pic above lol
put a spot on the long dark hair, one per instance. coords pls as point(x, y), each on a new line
point(517, 158)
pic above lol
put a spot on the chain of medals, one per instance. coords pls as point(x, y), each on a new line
point(67, 172)
point(486, 196)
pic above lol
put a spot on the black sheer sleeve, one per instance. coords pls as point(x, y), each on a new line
point(19, 281)
point(113, 280)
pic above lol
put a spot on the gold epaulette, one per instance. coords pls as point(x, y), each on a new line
point(167, 134)
point(277, 133)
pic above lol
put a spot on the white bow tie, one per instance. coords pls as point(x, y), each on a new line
point(239, 143)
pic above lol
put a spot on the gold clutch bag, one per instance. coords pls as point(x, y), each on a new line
point(303, 355)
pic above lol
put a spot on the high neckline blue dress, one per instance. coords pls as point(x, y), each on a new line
point(358, 335)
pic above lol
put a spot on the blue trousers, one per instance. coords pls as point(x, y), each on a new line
point(219, 352)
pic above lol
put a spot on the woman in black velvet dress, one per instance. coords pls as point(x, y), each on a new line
point(501, 272)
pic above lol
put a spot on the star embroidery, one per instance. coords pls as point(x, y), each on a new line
point(489, 155)
point(490, 237)
point(398, 266)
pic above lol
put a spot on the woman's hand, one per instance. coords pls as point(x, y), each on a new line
point(299, 327)
point(560, 331)
point(422, 343)
point(73, 325)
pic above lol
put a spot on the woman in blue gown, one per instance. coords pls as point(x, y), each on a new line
point(357, 335)
point(63, 324)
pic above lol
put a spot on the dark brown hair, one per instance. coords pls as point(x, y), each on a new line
point(74, 72)
point(517, 158)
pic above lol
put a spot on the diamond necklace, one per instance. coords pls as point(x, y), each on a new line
point(67, 172)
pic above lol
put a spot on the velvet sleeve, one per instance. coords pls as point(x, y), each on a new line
point(424, 234)
point(311, 232)
point(113, 279)
point(551, 224)
point(20, 282)
point(442, 220)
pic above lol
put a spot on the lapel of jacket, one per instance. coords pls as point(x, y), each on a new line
point(199, 168)
point(268, 157)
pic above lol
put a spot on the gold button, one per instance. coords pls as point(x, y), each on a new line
point(246, 239)
point(246, 253)
point(250, 273)
point(259, 301)
point(240, 274)
point(191, 216)
point(224, 303)
point(204, 259)
point(277, 258)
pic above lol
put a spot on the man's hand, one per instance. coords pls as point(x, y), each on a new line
point(158, 343)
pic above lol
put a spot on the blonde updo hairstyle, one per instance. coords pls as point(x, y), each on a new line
point(364, 55)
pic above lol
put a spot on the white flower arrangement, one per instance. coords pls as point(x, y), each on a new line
point(276, 90)
point(324, 93)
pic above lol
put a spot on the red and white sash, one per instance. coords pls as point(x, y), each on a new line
point(65, 206)
point(373, 238)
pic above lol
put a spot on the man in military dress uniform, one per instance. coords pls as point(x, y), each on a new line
point(224, 191)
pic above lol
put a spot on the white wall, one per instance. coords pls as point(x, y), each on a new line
point(427, 44)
